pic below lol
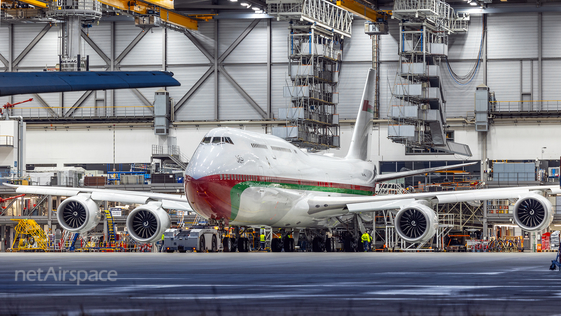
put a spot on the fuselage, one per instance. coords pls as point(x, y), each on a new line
point(248, 178)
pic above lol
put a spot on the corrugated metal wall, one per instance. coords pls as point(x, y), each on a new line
point(513, 67)
point(512, 35)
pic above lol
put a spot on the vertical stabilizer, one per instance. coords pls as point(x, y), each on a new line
point(363, 126)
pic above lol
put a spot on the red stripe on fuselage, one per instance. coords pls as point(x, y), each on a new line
point(210, 196)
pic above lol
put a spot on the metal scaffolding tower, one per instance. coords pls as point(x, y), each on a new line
point(315, 43)
point(76, 16)
point(418, 106)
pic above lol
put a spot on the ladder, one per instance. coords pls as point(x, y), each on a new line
point(110, 227)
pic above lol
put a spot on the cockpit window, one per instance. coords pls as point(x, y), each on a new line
point(228, 140)
point(217, 140)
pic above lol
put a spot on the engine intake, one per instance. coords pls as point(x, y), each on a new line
point(147, 223)
point(78, 214)
point(533, 213)
point(416, 223)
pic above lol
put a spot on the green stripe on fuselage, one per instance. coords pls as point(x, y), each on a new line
point(237, 190)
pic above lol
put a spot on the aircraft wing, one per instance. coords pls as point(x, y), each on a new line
point(333, 206)
point(47, 81)
point(169, 201)
point(398, 175)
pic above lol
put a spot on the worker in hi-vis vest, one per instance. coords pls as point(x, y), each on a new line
point(262, 239)
point(366, 239)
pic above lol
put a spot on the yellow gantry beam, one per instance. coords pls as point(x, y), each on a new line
point(167, 4)
point(362, 10)
point(142, 8)
point(35, 3)
point(178, 19)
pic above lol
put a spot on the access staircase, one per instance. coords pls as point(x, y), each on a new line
point(170, 153)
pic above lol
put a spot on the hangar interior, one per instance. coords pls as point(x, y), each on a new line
point(491, 97)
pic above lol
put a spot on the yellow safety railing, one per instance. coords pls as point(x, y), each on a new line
point(29, 236)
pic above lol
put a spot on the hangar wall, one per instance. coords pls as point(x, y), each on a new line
point(126, 144)
point(513, 61)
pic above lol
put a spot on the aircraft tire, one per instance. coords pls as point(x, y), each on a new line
point(318, 244)
point(289, 245)
point(275, 245)
point(233, 245)
point(214, 244)
point(226, 244)
point(347, 244)
point(329, 244)
point(202, 245)
point(242, 247)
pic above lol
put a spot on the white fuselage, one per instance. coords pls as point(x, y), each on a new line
point(248, 178)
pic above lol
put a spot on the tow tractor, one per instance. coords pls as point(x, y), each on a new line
point(197, 238)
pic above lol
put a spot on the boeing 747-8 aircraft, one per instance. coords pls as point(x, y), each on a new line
point(242, 178)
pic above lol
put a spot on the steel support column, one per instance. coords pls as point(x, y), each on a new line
point(216, 63)
point(49, 212)
point(269, 70)
point(540, 64)
point(164, 50)
point(10, 48)
point(112, 66)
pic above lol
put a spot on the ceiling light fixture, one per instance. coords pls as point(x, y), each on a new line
point(473, 3)
point(233, 0)
point(256, 9)
point(245, 4)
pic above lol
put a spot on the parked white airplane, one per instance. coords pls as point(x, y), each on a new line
point(242, 178)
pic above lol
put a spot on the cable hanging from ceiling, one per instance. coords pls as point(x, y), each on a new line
point(466, 79)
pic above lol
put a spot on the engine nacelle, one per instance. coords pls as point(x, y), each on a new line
point(147, 223)
point(533, 212)
point(416, 222)
point(78, 214)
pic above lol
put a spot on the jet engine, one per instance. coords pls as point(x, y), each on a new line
point(78, 214)
point(147, 223)
point(533, 212)
point(416, 222)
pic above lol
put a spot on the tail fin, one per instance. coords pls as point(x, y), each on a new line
point(363, 125)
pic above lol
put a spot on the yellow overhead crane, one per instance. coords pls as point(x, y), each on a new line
point(160, 7)
point(35, 3)
point(364, 11)
point(143, 8)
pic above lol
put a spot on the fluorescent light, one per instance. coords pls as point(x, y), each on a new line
point(256, 9)
point(245, 4)
point(233, 0)
point(473, 3)
point(259, 11)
